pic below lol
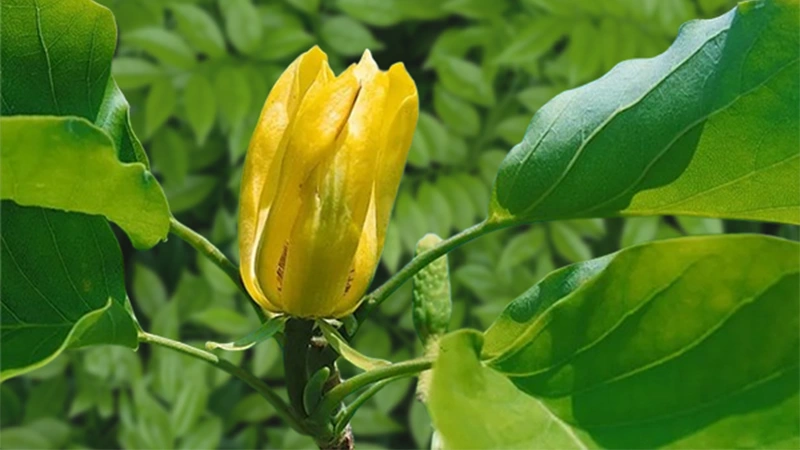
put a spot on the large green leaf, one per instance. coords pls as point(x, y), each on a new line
point(56, 61)
point(63, 287)
point(710, 127)
point(67, 163)
point(689, 343)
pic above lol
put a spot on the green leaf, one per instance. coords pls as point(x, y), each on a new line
point(43, 155)
point(286, 40)
point(307, 6)
point(199, 29)
point(223, 321)
point(465, 79)
point(37, 61)
point(352, 355)
point(459, 115)
point(382, 13)
point(536, 39)
point(242, 24)
point(392, 248)
point(164, 45)
point(461, 205)
point(700, 225)
point(472, 406)
point(132, 73)
point(159, 106)
point(190, 193)
point(170, 155)
point(434, 203)
point(535, 97)
point(205, 434)
point(698, 130)
point(23, 437)
point(568, 243)
point(188, 407)
point(233, 94)
point(512, 129)
point(149, 292)
point(638, 230)
point(201, 106)
point(724, 375)
point(63, 286)
point(476, 9)
point(267, 330)
point(421, 9)
point(411, 220)
point(347, 37)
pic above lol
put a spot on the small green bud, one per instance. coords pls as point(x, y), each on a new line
point(431, 294)
point(312, 393)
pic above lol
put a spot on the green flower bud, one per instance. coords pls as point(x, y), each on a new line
point(431, 294)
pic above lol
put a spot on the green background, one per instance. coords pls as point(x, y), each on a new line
point(196, 74)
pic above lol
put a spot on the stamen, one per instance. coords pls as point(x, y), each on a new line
point(350, 278)
point(282, 266)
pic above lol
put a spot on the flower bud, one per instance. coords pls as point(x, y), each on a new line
point(319, 182)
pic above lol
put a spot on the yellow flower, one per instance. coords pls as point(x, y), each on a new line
point(319, 182)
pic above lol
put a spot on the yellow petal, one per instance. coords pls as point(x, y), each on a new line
point(263, 161)
point(327, 234)
point(402, 109)
point(320, 118)
point(364, 263)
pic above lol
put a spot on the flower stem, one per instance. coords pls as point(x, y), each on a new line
point(210, 251)
point(272, 398)
point(415, 265)
point(339, 392)
point(350, 410)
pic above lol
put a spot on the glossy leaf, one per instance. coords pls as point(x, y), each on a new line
point(710, 128)
point(473, 406)
point(33, 44)
point(685, 343)
point(63, 287)
point(69, 164)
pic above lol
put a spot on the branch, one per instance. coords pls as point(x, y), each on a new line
point(210, 251)
point(274, 399)
point(380, 294)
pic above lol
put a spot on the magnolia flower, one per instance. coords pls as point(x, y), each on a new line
point(319, 183)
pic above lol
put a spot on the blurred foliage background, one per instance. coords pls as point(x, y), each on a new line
point(197, 72)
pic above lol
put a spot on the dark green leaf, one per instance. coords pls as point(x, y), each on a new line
point(62, 286)
point(721, 377)
point(712, 136)
point(33, 44)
